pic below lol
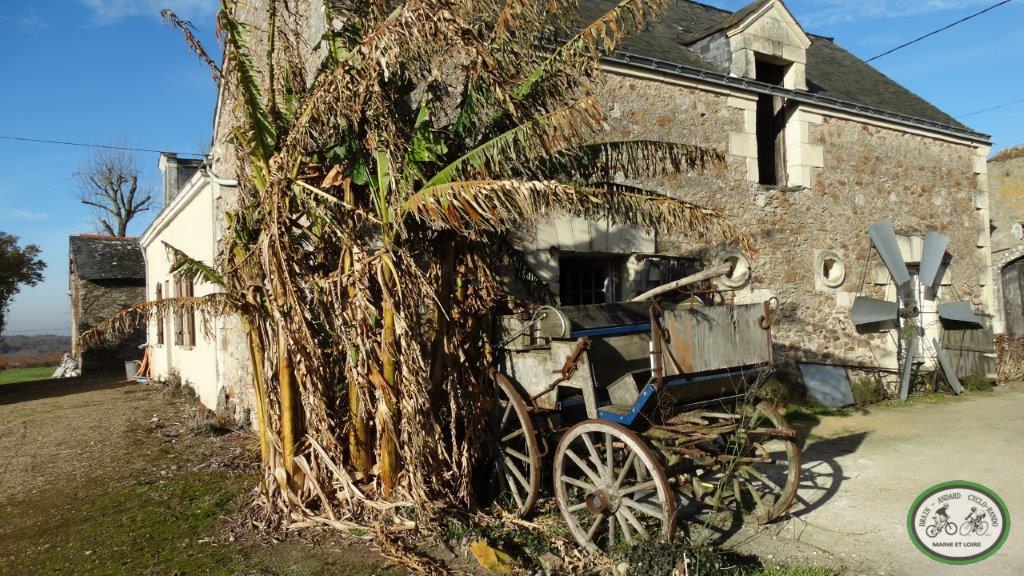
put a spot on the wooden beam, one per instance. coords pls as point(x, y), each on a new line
point(708, 274)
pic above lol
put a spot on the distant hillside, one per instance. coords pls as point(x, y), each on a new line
point(16, 346)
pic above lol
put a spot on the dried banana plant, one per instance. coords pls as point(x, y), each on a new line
point(370, 252)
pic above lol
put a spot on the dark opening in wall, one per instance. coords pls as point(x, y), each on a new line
point(771, 126)
point(585, 281)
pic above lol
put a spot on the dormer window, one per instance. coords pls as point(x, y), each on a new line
point(771, 124)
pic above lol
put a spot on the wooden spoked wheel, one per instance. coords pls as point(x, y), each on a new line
point(758, 472)
point(610, 487)
point(517, 462)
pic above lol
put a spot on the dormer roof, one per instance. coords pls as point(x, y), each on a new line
point(744, 18)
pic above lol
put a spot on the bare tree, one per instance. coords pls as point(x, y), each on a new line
point(108, 182)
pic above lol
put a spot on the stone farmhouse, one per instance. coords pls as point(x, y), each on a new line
point(106, 275)
point(819, 146)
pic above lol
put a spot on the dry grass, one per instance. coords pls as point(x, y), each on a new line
point(1008, 154)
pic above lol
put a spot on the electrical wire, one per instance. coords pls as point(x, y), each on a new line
point(943, 29)
point(993, 108)
point(84, 145)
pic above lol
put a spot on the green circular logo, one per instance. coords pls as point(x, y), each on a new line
point(958, 522)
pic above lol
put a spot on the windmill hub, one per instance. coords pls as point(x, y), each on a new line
point(910, 312)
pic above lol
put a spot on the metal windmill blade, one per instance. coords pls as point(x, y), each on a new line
point(931, 261)
point(884, 238)
point(905, 313)
point(883, 314)
point(931, 257)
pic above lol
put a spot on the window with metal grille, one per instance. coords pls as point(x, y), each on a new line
point(585, 281)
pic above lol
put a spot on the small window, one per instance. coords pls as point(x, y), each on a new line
point(833, 272)
point(830, 271)
point(159, 316)
point(771, 126)
point(585, 281)
point(739, 274)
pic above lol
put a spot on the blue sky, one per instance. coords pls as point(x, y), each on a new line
point(110, 70)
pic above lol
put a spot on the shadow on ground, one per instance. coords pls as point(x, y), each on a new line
point(821, 477)
point(40, 389)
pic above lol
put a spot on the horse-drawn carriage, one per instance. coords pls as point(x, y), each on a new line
point(647, 413)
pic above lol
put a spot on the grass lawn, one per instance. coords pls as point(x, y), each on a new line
point(121, 480)
point(13, 375)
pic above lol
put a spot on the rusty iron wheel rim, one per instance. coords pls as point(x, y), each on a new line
point(765, 489)
point(517, 465)
point(611, 487)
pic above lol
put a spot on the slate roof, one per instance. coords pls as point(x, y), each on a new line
point(727, 22)
point(832, 72)
point(96, 257)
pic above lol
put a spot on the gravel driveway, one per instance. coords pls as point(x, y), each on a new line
point(861, 473)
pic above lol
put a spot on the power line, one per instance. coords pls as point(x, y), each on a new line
point(943, 29)
point(84, 145)
point(993, 108)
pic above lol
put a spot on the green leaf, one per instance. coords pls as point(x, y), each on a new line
point(192, 269)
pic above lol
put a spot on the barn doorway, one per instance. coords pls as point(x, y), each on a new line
point(1013, 298)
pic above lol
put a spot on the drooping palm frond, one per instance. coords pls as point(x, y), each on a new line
point(191, 41)
point(130, 319)
point(258, 136)
point(542, 136)
point(633, 159)
point(472, 207)
point(580, 53)
point(530, 18)
point(353, 94)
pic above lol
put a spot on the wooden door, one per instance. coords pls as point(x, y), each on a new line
point(1013, 299)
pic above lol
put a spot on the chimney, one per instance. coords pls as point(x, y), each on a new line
point(169, 168)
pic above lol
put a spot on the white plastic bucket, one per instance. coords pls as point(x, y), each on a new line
point(131, 368)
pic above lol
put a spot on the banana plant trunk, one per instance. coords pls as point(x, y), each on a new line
point(360, 434)
point(291, 414)
point(390, 463)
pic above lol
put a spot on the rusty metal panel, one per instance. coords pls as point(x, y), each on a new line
point(532, 370)
point(716, 338)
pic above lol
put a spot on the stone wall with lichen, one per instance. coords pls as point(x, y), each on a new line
point(96, 301)
point(869, 173)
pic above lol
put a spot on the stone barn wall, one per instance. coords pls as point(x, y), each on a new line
point(864, 173)
point(95, 301)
